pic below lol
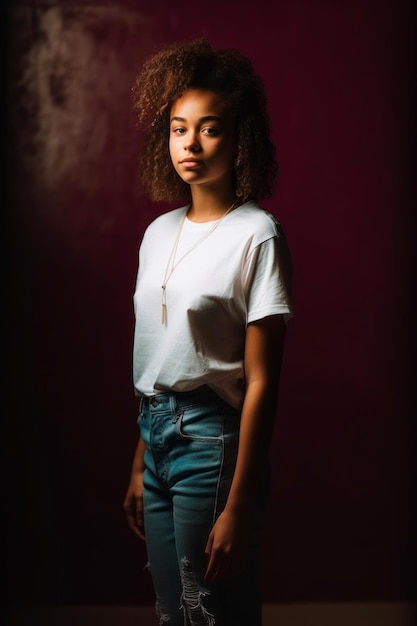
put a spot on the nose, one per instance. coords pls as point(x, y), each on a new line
point(191, 142)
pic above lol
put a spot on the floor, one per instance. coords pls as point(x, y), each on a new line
point(346, 614)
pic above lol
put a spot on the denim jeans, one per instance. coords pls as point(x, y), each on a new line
point(191, 447)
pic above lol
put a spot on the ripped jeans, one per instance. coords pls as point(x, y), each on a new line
point(191, 440)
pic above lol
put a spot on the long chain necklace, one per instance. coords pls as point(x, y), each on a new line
point(172, 264)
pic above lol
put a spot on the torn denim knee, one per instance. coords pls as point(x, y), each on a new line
point(161, 615)
point(192, 597)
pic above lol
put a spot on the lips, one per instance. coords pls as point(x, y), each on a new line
point(191, 163)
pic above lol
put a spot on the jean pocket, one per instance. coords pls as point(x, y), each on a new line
point(200, 424)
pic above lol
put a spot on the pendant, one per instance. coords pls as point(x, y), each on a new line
point(164, 306)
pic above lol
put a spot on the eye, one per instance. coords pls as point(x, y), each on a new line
point(178, 131)
point(211, 131)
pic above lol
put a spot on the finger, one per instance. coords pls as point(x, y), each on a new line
point(218, 564)
point(211, 571)
point(135, 523)
point(131, 521)
point(130, 516)
point(209, 546)
point(139, 515)
point(139, 519)
point(140, 532)
point(209, 552)
point(211, 558)
point(218, 568)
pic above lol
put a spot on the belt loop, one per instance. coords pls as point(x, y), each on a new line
point(173, 402)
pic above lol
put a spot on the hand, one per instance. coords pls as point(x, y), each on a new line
point(133, 505)
point(227, 548)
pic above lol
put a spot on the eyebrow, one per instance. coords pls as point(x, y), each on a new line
point(206, 118)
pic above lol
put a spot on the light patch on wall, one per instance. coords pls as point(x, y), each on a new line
point(71, 99)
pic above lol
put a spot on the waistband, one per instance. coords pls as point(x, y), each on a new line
point(181, 398)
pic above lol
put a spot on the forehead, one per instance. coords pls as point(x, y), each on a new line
point(199, 103)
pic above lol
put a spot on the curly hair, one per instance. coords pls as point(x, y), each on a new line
point(166, 76)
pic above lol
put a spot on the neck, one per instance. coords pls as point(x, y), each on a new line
point(208, 207)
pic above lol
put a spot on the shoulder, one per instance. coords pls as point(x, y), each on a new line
point(258, 223)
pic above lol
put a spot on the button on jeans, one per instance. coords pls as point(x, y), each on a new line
point(191, 447)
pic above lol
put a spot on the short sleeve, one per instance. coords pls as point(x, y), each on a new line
point(267, 279)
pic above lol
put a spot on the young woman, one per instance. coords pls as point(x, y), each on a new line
point(211, 306)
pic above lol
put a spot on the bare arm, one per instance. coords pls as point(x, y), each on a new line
point(133, 502)
point(228, 543)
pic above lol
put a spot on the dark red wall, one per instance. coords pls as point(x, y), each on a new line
point(338, 77)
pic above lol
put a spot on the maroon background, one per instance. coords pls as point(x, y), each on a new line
point(338, 77)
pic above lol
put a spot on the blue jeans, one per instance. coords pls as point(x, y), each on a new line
point(191, 447)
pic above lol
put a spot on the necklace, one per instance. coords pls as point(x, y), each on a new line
point(172, 264)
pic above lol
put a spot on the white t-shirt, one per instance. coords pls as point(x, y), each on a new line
point(238, 274)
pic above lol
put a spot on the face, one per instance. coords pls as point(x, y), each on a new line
point(201, 140)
